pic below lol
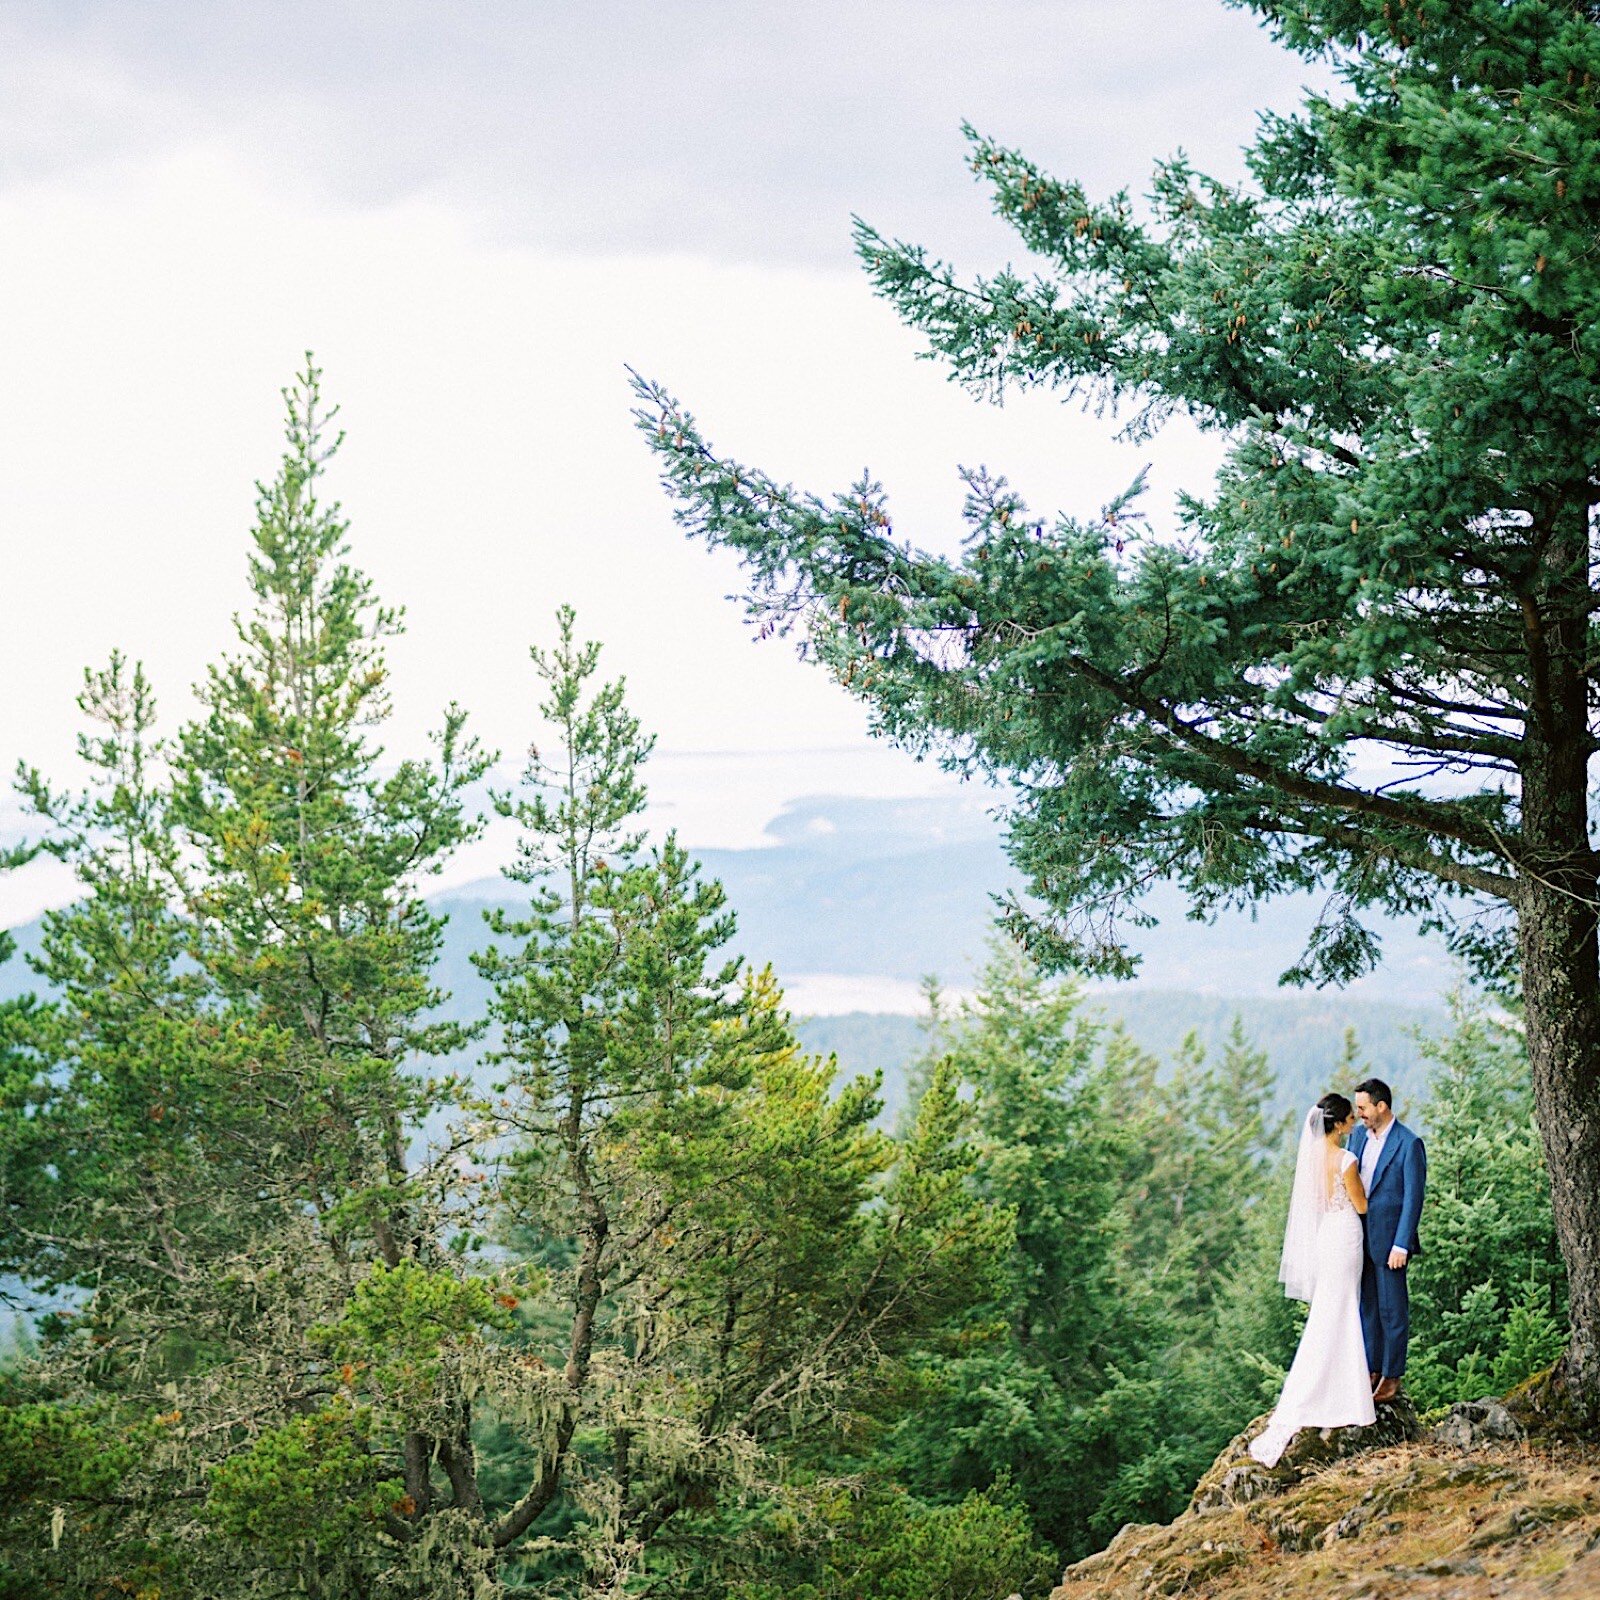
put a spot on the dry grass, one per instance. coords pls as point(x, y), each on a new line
point(1413, 1522)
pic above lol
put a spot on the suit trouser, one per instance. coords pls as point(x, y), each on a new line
point(1385, 1317)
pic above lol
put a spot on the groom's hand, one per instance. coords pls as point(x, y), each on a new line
point(1397, 1258)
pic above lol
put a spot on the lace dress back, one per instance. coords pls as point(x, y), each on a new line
point(1340, 1199)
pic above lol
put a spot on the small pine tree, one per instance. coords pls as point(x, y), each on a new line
point(738, 1259)
point(1487, 1292)
point(223, 1160)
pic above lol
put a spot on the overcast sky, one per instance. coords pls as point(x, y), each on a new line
point(476, 214)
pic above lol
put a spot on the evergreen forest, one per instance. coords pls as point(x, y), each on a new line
point(337, 1275)
point(649, 1300)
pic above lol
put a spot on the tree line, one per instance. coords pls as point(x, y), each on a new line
point(646, 1303)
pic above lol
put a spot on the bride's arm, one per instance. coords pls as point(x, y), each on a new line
point(1357, 1190)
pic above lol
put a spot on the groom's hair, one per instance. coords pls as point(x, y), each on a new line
point(1376, 1089)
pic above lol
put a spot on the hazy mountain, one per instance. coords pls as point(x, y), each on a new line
point(890, 890)
point(1303, 1036)
point(897, 889)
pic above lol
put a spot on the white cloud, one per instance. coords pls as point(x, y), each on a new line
point(492, 469)
point(476, 216)
point(744, 129)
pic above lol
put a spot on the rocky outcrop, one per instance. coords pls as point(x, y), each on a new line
point(1478, 1422)
point(1236, 1478)
point(1466, 1510)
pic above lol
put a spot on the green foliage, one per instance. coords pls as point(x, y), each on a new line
point(1534, 1337)
point(1368, 321)
point(1488, 1293)
point(311, 1481)
point(1100, 1394)
point(396, 1332)
point(739, 1264)
point(891, 1546)
point(212, 1129)
point(50, 1451)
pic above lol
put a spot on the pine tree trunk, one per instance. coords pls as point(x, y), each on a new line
point(1556, 924)
point(1561, 994)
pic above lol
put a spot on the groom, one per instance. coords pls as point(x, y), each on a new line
point(1394, 1171)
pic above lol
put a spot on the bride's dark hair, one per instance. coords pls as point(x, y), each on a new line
point(1334, 1108)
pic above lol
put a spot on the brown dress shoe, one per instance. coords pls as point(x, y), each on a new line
point(1375, 1379)
point(1386, 1391)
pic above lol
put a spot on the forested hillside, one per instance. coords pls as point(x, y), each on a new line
point(1304, 1038)
point(1302, 1033)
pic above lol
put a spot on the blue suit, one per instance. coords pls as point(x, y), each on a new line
point(1394, 1207)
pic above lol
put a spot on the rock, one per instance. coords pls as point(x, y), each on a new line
point(1476, 1422)
point(1236, 1477)
point(1243, 1482)
point(1442, 1567)
point(1377, 1513)
point(1127, 1542)
point(1300, 1520)
point(1526, 1518)
point(1183, 1570)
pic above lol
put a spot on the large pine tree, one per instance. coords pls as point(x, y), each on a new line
point(1363, 659)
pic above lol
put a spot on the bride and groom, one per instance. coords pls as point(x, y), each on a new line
point(1352, 1230)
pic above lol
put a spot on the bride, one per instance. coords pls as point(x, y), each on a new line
point(1328, 1385)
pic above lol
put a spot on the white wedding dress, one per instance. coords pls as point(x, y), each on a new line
point(1328, 1385)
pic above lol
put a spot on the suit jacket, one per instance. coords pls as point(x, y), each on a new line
point(1394, 1202)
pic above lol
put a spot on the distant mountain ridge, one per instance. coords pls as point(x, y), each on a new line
point(1303, 1037)
point(899, 889)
